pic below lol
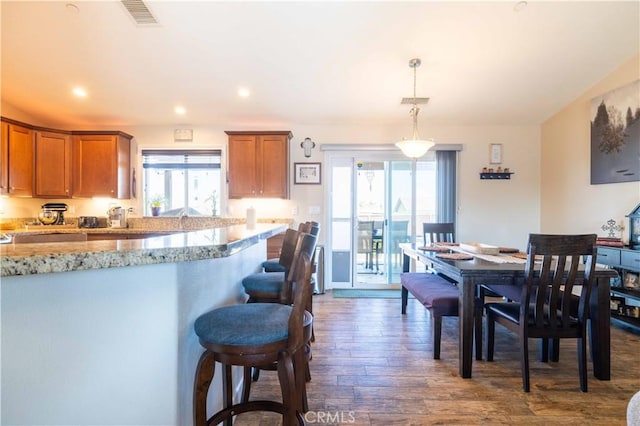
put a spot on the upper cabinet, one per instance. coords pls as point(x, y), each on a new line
point(258, 164)
point(101, 164)
point(41, 162)
point(52, 164)
point(16, 160)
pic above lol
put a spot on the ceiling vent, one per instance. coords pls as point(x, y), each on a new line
point(139, 12)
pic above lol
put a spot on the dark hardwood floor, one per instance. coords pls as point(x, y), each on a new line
point(373, 366)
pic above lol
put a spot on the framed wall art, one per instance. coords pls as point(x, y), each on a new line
point(495, 153)
point(615, 135)
point(307, 173)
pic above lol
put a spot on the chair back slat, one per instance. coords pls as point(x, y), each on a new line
point(547, 296)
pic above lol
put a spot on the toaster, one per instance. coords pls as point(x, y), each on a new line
point(87, 222)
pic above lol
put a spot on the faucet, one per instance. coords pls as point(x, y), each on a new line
point(183, 216)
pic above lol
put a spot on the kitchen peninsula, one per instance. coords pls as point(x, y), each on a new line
point(101, 331)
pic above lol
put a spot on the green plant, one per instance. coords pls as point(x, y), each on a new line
point(156, 201)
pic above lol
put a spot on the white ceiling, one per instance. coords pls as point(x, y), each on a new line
point(309, 62)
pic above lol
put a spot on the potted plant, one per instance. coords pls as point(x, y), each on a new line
point(156, 204)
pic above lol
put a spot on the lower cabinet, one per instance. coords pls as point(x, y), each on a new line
point(625, 292)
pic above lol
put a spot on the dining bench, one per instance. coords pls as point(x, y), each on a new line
point(440, 297)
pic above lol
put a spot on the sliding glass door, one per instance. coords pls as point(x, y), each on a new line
point(370, 208)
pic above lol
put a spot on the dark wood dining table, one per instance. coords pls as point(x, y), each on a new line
point(471, 273)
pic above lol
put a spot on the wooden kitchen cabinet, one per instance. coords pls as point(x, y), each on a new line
point(101, 164)
point(16, 160)
point(258, 164)
point(52, 164)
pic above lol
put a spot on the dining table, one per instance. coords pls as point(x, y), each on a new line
point(502, 271)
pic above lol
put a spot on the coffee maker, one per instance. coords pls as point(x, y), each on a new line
point(52, 213)
point(117, 217)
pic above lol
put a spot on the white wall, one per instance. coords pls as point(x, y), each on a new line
point(569, 202)
point(495, 212)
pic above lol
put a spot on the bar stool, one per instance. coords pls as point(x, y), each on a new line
point(254, 335)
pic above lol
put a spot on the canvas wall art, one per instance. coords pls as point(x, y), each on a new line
point(615, 135)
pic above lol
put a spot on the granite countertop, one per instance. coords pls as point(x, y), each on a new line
point(44, 258)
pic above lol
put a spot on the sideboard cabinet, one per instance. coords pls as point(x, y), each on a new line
point(258, 164)
point(625, 294)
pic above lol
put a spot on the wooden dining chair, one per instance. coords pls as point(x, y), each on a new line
point(438, 233)
point(547, 308)
point(365, 242)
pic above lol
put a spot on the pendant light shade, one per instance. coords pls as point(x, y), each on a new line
point(415, 147)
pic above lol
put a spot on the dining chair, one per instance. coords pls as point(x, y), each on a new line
point(399, 233)
point(438, 233)
point(378, 242)
point(255, 335)
point(547, 307)
point(365, 242)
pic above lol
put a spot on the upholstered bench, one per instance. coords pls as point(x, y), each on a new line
point(440, 297)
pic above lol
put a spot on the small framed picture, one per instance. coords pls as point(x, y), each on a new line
point(307, 173)
point(495, 153)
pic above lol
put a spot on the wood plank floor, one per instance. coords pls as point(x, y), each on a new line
point(373, 366)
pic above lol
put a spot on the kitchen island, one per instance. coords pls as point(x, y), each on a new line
point(101, 332)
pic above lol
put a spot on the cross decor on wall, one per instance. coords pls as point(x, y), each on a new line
point(615, 135)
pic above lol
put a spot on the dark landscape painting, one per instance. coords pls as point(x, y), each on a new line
point(615, 135)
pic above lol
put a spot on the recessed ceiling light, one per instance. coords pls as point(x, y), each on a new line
point(180, 110)
point(520, 6)
point(80, 92)
point(243, 93)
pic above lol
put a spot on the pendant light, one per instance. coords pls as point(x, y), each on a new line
point(415, 147)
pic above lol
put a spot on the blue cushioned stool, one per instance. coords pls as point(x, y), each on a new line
point(255, 335)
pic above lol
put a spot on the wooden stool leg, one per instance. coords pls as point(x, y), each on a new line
point(204, 376)
point(227, 391)
point(286, 375)
point(246, 384)
point(301, 366)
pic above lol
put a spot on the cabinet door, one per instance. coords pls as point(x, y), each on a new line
point(53, 164)
point(4, 159)
point(95, 166)
point(242, 170)
point(20, 160)
point(273, 169)
point(101, 165)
